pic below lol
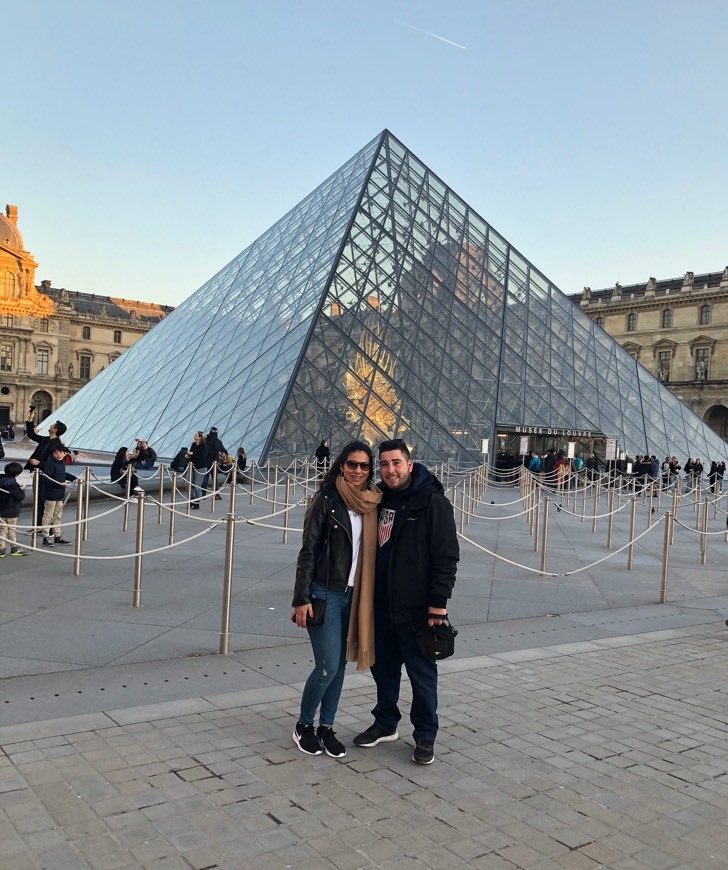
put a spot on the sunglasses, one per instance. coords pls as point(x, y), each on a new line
point(352, 466)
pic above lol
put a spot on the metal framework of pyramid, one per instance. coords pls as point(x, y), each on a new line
point(381, 306)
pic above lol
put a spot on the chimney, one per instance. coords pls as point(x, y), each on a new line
point(12, 213)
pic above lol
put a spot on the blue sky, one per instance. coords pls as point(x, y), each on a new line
point(148, 143)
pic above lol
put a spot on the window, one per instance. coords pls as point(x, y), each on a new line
point(663, 366)
point(8, 320)
point(44, 324)
point(667, 318)
point(117, 336)
point(7, 284)
point(84, 363)
point(631, 322)
point(41, 361)
point(704, 315)
point(86, 333)
point(600, 322)
point(6, 357)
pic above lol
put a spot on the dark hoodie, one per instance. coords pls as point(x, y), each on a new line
point(417, 550)
point(10, 500)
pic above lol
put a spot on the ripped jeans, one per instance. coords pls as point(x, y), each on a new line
point(328, 641)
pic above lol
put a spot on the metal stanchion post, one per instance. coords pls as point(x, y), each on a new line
point(594, 511)
point(286, 511)
point(189, 471)
point(252, 479)
point(536, 518)
point(704, 533)
point(86, 494)
point(227, 584)
point(275, 487)
point(610, 521)
point(213, 498)
point(233, 496)
point(79, 529)
point(650, 505)
point(172, 506)
point(137, 596)
point(675, 502)
point(665, 557)
point(544, 533)
point(36, 505)
point(160, 509)
point(462, 509)
point(583, 504)
point(632, 515)
point(125, 523)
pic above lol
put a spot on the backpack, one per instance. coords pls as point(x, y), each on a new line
point(578, 463)
point(535, 464)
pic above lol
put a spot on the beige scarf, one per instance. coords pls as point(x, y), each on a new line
point(360, 640)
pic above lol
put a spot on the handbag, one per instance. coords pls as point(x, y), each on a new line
point(436, 642)
point(319, 612)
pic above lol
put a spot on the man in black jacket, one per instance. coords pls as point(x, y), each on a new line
point(417, 557)
point(39, 456)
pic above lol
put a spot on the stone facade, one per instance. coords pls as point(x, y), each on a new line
point(53, 341)
point(678, 330)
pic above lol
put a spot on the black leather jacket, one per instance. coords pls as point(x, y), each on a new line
point(326, 551)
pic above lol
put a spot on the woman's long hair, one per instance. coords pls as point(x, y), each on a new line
point(121, 453)
point(329, 481)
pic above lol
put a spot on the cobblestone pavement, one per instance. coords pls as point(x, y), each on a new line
point(611, 753)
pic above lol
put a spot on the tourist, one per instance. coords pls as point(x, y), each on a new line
point(11, 499)
point(336, 565)
point(197, 455)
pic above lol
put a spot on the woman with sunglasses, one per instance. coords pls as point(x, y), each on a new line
point(336, 564)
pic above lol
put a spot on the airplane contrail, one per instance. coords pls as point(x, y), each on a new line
point(441, 38)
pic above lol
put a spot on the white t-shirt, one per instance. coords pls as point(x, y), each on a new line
point(355, 541)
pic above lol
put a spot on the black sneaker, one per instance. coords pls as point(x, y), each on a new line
point(424, 752)
point(48, 542)
point(196, 507)
point(327, 737)
point(306, 740)
point(2, 555)
point(373, 736)
point(16, 551)
point(60, 540)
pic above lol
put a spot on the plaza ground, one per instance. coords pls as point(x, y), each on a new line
point(583, 724)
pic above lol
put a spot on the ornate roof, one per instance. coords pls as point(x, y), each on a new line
point(9, 235)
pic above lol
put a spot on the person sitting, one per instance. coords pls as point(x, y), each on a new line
point(241, 463)
point(180, 461)
point(143, 456)
point(121, 467)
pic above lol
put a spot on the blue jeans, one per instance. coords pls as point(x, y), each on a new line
point(328, 641)
point(394, 646)
point(198, 477)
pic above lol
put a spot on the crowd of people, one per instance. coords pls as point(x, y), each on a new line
point(563, 472)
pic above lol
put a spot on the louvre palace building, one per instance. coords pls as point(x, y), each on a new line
point(54, 341)
point(678, 330)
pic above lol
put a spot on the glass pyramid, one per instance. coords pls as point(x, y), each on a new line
point(381, 306)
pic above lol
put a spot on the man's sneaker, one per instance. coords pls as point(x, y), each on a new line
point(373, 736)
point(2, 555)
point(306, 740)
point(48, 542)
point(60, 540)
point(218, 497)
point(424, 752)
point(16, 551)
point(326, 735)
point(137, 489)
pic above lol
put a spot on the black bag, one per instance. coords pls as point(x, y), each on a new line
point(319, 612)
point(2, 450)
point(436, 642)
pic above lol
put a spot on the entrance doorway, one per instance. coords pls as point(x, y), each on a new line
point(717, 419)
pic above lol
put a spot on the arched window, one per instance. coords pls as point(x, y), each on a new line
point(667, 318)
point(117, 336)
point(704, 315)
point(7, 284)
point(631, 322)
point(86, 333)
